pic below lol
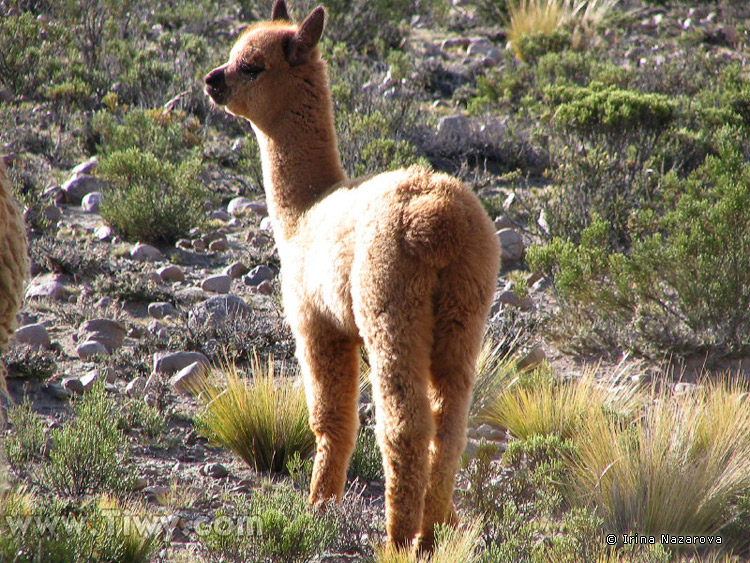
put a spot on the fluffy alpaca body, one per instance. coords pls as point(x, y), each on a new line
point(403, 262)
point(14, 258)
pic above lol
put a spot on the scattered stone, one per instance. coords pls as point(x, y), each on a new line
point(103, 233)
point(258, 275)
point(135, 386)
point(221, 215)
point(453, 131)
point(510, 299)
point(159, 309)
point(80, 185)
point(150, 399)
point(235, 270)
point(266, 225)
point(73, 385)
point(145, 253)
point(218, 245)
point(171, 362)
point(52, 213)
point(86, 167)
point(199, 245)
point(140, 483)
point(487, 432)
point(503, 222)
point(34, 335)
point(171, 273)
point(265, 288)
point(242, 206)
point(46, 288)
point(534, 358)
point(156, 493)
point(220, 307)
point(91, 202)
point(89, 378)
point(91, 349)
point(188, 378)
point(106, 331)
point(58, 391)
point(217, 284)
point(453, 42)
point(215, 470)
point(511, 245)
point(184, 244)
point(6, 95)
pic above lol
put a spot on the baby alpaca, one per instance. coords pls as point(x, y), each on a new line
point(404, 262)
point(14, 258)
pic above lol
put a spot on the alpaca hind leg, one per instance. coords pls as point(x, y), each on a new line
point(397, 330)
point(330, 365)
point(459, 326)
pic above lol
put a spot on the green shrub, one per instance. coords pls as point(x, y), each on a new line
point(88, 453)
point(531, 46)
point(28, 439)
point(264, 420)
point(366, 462)
point(33, 529)
point(685, 282)
point(286, 530)
point(149, 199)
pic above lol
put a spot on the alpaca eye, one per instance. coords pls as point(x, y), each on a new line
point(250, 70)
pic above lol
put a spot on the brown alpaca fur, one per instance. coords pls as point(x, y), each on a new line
point(14, 259)
point(404, 262)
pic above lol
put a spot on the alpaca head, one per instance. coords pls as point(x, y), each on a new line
point(266, 66)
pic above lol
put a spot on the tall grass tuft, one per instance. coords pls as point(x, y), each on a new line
point(451, 545)
point(539, 403)
point(262, 419)
point(677, 470)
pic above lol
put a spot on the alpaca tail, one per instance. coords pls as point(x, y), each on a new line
point(437, 220)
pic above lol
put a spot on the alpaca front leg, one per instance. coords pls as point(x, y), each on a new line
point(330, 368)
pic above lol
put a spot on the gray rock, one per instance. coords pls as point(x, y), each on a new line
point(265, 288)
point(46, 287)
point(221, 215)
point(106, 331)
point(235, 270)
point(103, 233)
point(220, 307)
point(218, 245)
point(683, 388)
point(184, 244)
point(135, 386)
point(480, 46)
point(503, 222)
point(217, 284)
point(258, 275)
point(266, 224)
point(34, 335)
point(80, 185)
point(159, 309)
point(532, 359)
point(57, 391)
point(140, 483)
point(91, 202)
point(188, 378)
point(86, 167)
point(199, 245)
point(156, 493)
point(215, 470)
point(91, 349)
point(52, 213)
point(511, 245)
point(171, 273)
point(145, 253)
point(89, 378)
point(453, 131)
point(171, 362)
point(242, 206)
point(487, 432)
point(73, 385)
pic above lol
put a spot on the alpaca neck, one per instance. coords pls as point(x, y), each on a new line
point(300, 160)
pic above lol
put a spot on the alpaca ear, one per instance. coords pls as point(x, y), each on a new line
point(280, 12)
point(307, 37)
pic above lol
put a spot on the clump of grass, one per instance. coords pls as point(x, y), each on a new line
point(366, 462)
point(676, 470)
point(451, 545)
point(263, 420)
point(540, 403)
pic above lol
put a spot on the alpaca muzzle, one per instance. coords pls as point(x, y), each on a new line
point(216, 85)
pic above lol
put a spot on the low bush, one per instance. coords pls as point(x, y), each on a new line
point(366, 462)
point(263, 420)
point(88, 454)
point(27, 441)
point(149, 199)
point(684, 283)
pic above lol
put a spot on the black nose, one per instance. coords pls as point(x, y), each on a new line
point(215, 78)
